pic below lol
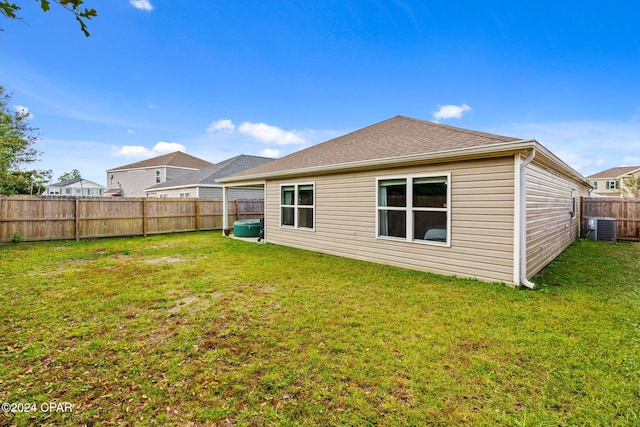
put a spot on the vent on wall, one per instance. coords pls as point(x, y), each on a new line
point(602, 229)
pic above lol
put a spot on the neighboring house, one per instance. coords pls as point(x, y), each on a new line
point(424, 196)
point(76, 187)
point(203, 183)
point(610, 183)
point(132, 179)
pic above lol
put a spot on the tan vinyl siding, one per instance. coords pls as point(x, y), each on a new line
point(482, 202)
point(550, 227)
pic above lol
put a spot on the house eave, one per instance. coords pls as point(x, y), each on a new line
point(486, 151)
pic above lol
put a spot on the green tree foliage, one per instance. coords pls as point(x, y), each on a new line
point(630, 186)
point(82, 14)
point(17, 138)
point(70, 175)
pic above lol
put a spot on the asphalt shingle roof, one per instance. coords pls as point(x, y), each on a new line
point(210, 174)
point(614, 172)
point(395, 137)
point(177, 158)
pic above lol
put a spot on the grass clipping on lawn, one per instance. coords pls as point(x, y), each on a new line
point(197, 329)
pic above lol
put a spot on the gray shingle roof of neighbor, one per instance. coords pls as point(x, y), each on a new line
point(395, 137)
point(614, 172)
point(67, 182)
point(210, 174)
point(72, 181)
point(177, 158)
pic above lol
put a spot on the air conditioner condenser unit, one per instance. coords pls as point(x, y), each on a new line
point(602, 229)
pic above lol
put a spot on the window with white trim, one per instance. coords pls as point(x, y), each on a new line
point(612, 185)
point(297, 205)
point(414, 208)
point(185, 195)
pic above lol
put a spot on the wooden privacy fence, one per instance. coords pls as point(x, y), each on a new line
point(34, 218)
point(625, 211)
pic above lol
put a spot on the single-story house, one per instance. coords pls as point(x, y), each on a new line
point(130, 180)
point(611, 182)
point(76, 187)
point(203, 183)
point(424, 196)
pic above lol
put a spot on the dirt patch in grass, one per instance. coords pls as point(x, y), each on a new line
point(190, 305)
point(165, 260)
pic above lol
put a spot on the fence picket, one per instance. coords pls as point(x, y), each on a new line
point(36, 218)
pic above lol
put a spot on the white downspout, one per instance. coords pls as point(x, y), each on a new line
point(523, 221)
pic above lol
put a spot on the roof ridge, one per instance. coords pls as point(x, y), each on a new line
point(459, 129)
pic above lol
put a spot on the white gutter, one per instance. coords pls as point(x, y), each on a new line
point(473, 152)
point(523, 221)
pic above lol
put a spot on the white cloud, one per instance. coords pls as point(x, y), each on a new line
point(270, 134)
point(450, 111)
point(588, 147)
point(141, 4)
point(138, 151)
point(224, 125)
point(130, 131)
point(24, 111)
point(270, 152)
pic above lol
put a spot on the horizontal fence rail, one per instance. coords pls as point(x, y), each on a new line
point(31, 219)
point(625, 211)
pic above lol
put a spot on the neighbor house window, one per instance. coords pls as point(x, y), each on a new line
point(595, 185)
point(157, 177)
point(78, 191)
point(612, 185)
point(414, 208)
point(68, 190)
point(297, 205)
point(111, 180)
point(185, 195)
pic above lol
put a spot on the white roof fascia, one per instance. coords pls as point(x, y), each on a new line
point(628, 173)
point(501, 148)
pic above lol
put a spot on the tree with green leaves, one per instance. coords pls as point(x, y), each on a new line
point(630, 186)
point(70, 175)
point(17, 139)
point(82, 14)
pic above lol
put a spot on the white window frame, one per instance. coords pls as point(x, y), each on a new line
point(612, 185)
point(296, 206)
point(410, 209)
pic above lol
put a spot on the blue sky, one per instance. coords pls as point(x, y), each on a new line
point(221, 78)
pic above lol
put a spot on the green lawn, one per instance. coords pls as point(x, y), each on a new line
point(197, 329)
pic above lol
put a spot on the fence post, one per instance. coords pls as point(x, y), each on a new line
point(237, 210)
point(197, 214)
point(144, 217)
point(77, 218)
